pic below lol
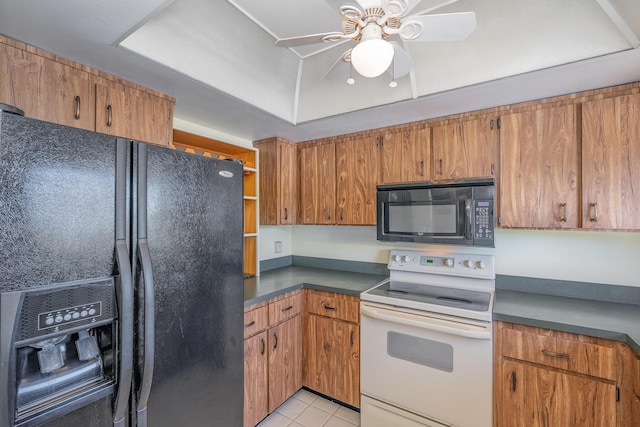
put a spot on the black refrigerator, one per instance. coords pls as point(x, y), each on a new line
point(121, 281)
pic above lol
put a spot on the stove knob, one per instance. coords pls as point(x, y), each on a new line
point(406, 259)
point(468, 263)
point(481, 264)
point(397, 258)
point(448, 262)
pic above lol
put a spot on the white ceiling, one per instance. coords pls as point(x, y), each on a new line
point(219, 60)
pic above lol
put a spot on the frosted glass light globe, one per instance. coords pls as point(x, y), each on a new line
point(372, 57)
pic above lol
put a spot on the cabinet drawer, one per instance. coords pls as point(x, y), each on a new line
point(285, 308)
point(256, 320)
point(336, 306)
point(572, 355)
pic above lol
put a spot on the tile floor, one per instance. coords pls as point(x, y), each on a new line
point(305, 409)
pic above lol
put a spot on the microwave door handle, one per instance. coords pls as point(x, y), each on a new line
point(469, 219)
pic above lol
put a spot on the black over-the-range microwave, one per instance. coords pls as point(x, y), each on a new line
point(453, 212)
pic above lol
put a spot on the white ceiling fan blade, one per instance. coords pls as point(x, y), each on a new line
point(340, 69)
point(440, 27)
point(397, 8)
point(308, 39)
point(402, 62)
point(336, 4)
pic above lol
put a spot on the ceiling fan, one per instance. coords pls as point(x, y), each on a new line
point(379, 27)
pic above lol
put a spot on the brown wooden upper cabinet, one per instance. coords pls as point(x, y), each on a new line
point(405, 155)
point(54, 89)
point(278, 181)
point(357, 162)
point(317, 183)
point(465, 149)
point(539, 169)
point(45, 89)
point(122, 110)
point(611, 163)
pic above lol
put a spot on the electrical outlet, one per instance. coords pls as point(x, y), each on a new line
point(277, 247)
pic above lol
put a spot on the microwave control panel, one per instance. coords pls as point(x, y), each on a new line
point(483, 220)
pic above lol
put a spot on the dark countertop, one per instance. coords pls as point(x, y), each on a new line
point(602, 315)
point(286, 279)
point(611, 320)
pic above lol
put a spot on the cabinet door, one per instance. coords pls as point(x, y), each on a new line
point(317, 184)
point(357, 162)
point(539, 397)
point(465, 149)
point(269, 178)
point(611, 163)
point(288, 167)
point(322, 354)
point(256, 404)
point(333, 359)
point(152, 118)
point(405, 155)
point(285, 361)
point(539, 169)
point(349, 381)
point(113, 108)
point(45, 89)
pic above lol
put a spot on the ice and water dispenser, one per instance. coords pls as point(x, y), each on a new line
point(58, 349)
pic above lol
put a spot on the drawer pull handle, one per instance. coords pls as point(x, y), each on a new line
point(513, 381)
point(263, 346)
point(275, 344)
point(287, 308)
point(327, 307)
point(351, 338)
point(250, 324)
point(554, 354)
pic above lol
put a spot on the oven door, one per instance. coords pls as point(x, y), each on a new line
point(435, 366)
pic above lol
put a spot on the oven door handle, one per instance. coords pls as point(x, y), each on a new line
point(423, 322)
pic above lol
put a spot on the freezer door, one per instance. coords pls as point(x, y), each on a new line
point(57, 204)
point(194, 235)
point(57, 192)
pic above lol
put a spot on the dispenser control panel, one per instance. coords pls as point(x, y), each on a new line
point(69, 315)
point(69, 306)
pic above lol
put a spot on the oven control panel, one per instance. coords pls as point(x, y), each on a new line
point(451, 264)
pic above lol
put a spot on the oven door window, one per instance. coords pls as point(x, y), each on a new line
point(426, 352)
point(434, 219)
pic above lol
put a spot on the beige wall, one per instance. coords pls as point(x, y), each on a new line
point(599, 257)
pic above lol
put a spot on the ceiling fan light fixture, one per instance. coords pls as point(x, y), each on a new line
point(372, 57)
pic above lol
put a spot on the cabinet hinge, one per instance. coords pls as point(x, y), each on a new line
point(499, 122)
point(491, 124)
point(377, 142)
point(499, 220)
point(617, 394)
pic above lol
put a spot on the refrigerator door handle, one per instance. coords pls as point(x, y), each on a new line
point(149, 333)
point(125, 285)
point(147, 281)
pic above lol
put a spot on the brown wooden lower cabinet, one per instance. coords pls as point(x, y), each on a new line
point(272, 355)
point(285, 361)
point(550, 378)
point(332, 346)
point(256, 401)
